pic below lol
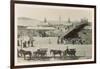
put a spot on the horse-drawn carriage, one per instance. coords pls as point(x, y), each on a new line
point(67, 52)
point(43, 52)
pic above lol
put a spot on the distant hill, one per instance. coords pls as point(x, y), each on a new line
point(25, 21)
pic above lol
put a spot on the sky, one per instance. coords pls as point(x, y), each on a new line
point(53, 12)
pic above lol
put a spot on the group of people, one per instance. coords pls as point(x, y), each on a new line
point(25, 43)
point(70, 41)
point(74, 41)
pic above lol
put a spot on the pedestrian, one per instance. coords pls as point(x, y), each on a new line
point(58, 40)
point(28, 43)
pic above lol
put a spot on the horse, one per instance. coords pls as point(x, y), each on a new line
point(70, 52)
point(40, 52)
point(54, 52)
point(23, 52)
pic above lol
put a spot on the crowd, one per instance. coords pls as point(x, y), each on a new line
point(25, 43)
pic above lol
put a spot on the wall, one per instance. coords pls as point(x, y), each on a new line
point(5, 34)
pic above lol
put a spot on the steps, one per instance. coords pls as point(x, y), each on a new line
point(74, 26)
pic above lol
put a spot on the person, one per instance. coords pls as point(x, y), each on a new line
point(58, 40)
point(24, 44)
point(21, 43)
point(32, 41)
point(18, 42)
point(28, 43)
point(62, 40)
